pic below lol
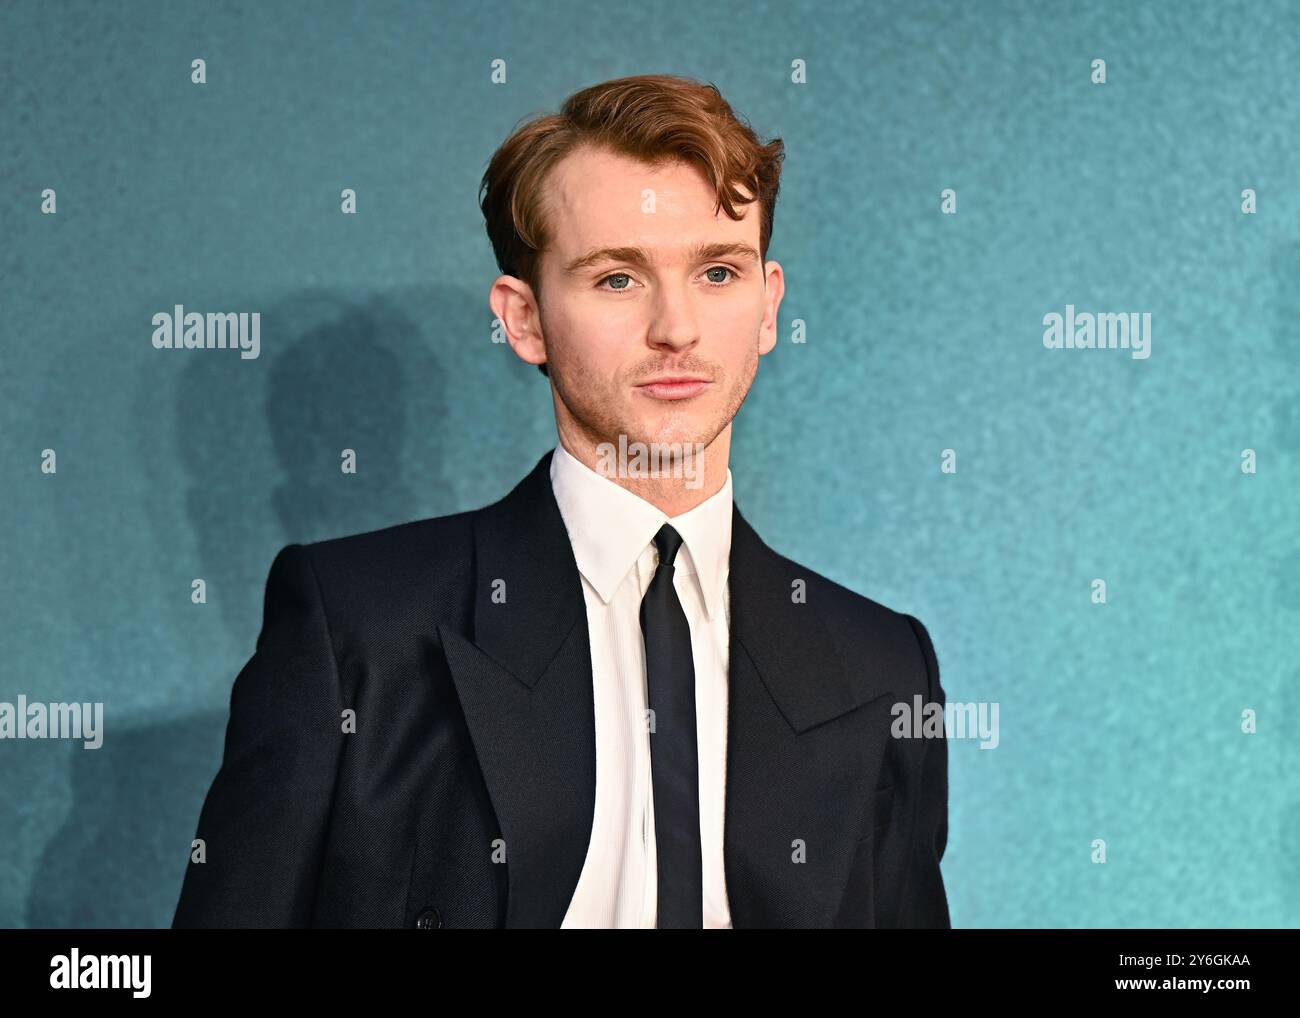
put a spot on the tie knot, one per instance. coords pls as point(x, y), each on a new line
point(668, 541)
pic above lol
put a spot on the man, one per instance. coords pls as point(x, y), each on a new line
point(602, 701)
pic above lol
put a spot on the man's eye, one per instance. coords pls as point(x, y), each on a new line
point(715, 281)
point(617, 275)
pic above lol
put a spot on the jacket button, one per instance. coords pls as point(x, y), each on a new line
point(429, 919)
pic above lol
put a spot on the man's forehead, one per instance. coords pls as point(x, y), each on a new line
point(604, 199)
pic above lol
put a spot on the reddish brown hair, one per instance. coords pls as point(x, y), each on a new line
point(656, 118)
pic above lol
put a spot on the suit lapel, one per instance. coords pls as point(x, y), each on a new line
point(802, 758)
point(525, 683)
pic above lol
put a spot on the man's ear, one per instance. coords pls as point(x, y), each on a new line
point(515, 306)
point(775, 290)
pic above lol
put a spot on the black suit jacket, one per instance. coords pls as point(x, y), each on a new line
point(465, 795)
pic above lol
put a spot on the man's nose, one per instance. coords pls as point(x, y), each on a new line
point(675, 325)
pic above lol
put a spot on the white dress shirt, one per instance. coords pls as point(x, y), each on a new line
point(612, 533)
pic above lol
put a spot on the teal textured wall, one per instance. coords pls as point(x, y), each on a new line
point(1119, 721)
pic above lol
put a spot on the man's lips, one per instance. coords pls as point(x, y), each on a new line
point(674, 387)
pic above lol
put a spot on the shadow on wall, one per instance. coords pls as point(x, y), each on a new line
point(259, 454)
point(119, 857)
point(355, 377)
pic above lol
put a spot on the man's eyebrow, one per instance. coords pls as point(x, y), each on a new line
point(638, 256)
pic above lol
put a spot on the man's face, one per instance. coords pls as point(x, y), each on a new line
point(642, 285)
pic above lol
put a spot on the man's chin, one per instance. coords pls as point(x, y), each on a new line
point(674, 434)
point(642, 453)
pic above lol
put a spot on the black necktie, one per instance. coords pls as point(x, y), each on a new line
point(674, 759)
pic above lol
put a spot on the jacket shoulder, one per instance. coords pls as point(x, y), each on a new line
point(404, 577)
point(864, 629)
point(436, 535)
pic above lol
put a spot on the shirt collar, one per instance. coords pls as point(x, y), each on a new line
point(609, 528)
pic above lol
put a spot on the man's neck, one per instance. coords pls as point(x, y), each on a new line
point(678, 485)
